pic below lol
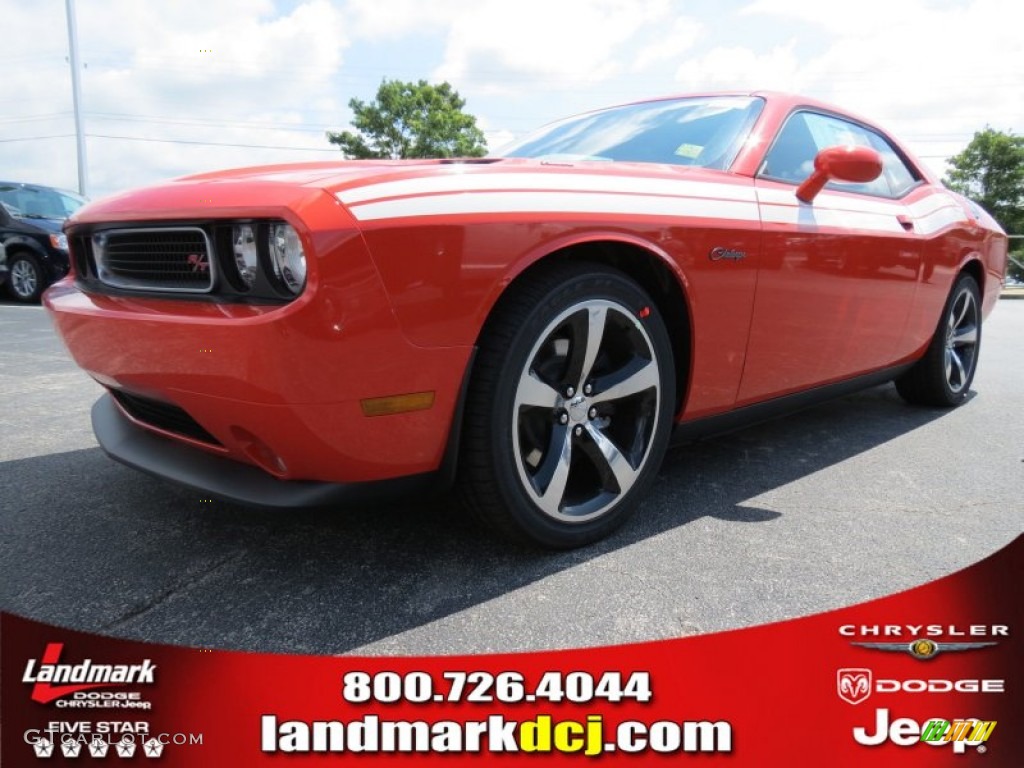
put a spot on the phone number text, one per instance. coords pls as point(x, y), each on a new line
point(486, 687)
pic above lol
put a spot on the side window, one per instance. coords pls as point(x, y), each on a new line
point(791, 157)
point(7, 197)
point(897, 174)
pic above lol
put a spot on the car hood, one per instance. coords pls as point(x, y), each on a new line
point(521, 173)
point(268, 189)
point(235, 191)
point(46, 225)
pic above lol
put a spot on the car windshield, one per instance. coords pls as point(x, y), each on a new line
point(706, 132)
point(38, 202)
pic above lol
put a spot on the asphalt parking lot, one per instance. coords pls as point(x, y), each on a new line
point(848, 501)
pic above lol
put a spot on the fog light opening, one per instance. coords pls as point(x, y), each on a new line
point(259, 453)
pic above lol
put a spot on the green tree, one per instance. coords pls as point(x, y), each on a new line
point(990, 171)
point(411, 120)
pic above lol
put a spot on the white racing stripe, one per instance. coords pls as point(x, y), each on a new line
point(929, 214)
point(940, 219)
point(814, 217)
point(535, 201)
point(932, 203)
point(836, 202)
point(780, 206)
point(587, 193)
point(544, 182)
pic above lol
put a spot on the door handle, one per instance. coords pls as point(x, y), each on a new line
point(906, 222)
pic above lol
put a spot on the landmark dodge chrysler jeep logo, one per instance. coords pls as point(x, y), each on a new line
point(79, 677)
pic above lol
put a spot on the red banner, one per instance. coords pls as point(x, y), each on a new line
point(928, 677)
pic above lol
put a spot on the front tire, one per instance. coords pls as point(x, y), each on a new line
point(569, 412)
point(25, 280)
point(943, 377)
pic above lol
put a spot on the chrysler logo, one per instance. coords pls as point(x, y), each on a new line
point(198, 262)
point(853, 685)
point(923, 648)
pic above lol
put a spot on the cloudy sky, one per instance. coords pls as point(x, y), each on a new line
point(177, 86)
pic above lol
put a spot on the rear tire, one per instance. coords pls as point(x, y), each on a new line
point(943, 377)
point(570, 406)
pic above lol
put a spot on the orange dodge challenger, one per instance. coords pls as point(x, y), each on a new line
point(538, 325)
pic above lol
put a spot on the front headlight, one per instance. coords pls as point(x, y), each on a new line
point(60, 242)
point(286, 257)
point(243, 238)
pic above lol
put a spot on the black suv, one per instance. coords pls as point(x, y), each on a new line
point(31, 217)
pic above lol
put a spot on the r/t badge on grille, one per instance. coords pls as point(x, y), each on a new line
point(198, 262)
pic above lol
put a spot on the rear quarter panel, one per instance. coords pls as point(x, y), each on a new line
point(955, 234)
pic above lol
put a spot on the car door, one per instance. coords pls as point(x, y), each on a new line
point(837, 276)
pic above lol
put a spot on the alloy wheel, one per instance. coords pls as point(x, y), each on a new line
point(961, 340)
point(585, 410)
point(24, 279)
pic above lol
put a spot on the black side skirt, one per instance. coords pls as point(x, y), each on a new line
point(780, 406)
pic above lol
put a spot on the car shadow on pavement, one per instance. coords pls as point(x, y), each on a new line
point(96, 546)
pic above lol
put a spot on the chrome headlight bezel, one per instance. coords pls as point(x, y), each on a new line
point(287, 257)
point(245, 253)
point(263, 258)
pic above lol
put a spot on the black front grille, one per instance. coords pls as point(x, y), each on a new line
point(165, 416)
point(169, 259)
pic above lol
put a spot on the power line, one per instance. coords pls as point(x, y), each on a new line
point(350, 71)
point(33, 138)
point(34, 118)
point(197, 121)
point(52, 57)
point(208, 143)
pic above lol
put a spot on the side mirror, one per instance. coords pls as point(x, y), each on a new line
point(854, 164)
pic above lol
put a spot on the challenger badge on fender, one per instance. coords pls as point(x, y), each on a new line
point(725, 254)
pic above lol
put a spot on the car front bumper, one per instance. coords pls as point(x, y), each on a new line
point(275, 387)
point(232, 481)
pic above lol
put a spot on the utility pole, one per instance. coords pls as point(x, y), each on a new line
point(76, 97)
